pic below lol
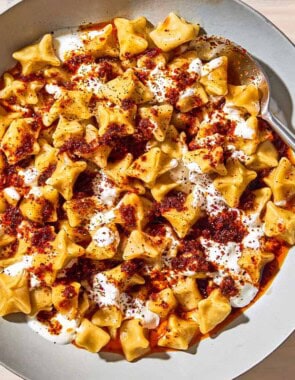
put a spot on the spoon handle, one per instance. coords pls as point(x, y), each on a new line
point(284, 132)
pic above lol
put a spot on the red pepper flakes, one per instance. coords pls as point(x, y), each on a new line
point(226, 226)
point(78, 146)
point(113, 132)
point(128, 214)
point(83, 270)
point(11, 219)
point(26, 147)
point(11, 177)
point(172, 96)
point(84, 184)
point(156, 227)
point(127, 104)
point(134, 144)
point(75, 61)
point(247, 200)
point(273, 245)
point(183, 79)
point(225, 127)
point(47, 209)
point(131, 267)
point(69, 292)
point(190, 262)
point(42, 269)
point(174, 200)
point(38, 76)
point(47, 173)
point(222, 228)
point(42, 237)
point(258, 182)
point(106, 71)
point(82, 206)
point(45, 317)
point(228, 287)
point(142, 76)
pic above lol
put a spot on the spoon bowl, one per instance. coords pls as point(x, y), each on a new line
point(243, 69)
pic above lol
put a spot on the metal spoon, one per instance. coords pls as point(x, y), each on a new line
point(243, 70)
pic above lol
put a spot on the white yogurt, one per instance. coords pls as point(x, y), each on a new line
point(66, 41)
point(17, 268)
point(30, 176)
point(12, 193)
point(101, 218)
point(104, 237)
point(66, 335)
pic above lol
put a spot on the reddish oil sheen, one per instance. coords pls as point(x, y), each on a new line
point(114, 346)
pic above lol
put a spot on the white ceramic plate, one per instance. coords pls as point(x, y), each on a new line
point(265, 325)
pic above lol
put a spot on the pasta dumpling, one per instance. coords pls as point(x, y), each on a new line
point(235, 182)
point(212, 311)
point(279, 223)
point(103, 43)
point(132, 36)
point(14, 293)
point(36, 57)
point(246, 96)
point(134, 339)
point(179, 333)
point(214, 76)
point(20, 140)
point(281, 180)
point(91, 337)
point(172, 32)
point(253, 261)
point(65, 175)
